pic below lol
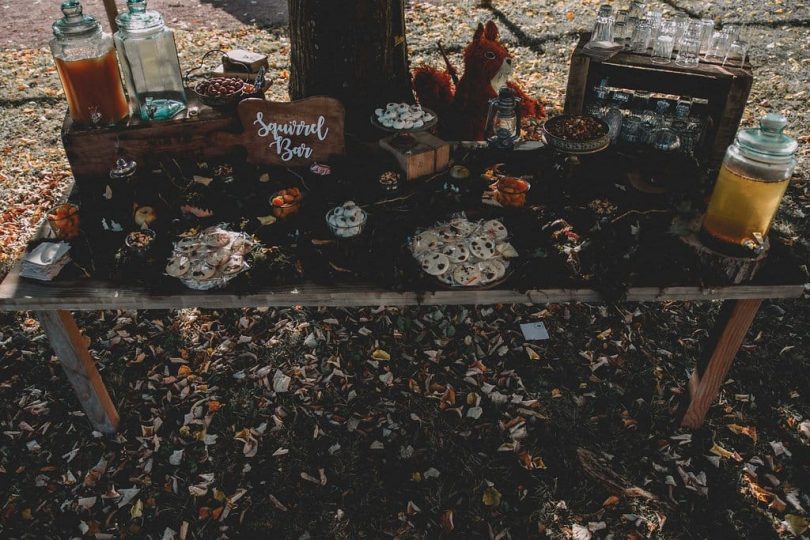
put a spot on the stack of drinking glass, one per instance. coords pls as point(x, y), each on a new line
point(637, 118)
point(649, 33)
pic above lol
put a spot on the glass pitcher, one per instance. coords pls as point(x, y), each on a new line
point(752, 180)
point(149, 58)
point(87, 66)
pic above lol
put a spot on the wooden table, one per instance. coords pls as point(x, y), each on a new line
point(52, 304)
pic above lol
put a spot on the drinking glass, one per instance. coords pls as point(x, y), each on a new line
point(631, 130)
point(732, 30)
point(681, 24)
point(662, 49)
point(641, 37)
point(736, 53)
point(602, 32)
point(708, 29)
point(689, 47)
point(637, 9)
point(619, 32)
point(718, 46)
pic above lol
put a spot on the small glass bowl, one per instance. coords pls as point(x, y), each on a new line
point(140, 242)
point(346, 231)
point(286, 209)
point(64, 221)
point(511, 191)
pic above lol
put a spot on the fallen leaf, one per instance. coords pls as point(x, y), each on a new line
point(491, 497)
point(743, 430)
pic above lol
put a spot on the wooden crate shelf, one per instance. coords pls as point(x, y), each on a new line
point(725, 88)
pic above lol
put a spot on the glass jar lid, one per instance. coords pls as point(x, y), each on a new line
point(74, 23)
point(138, 19)
point(767, 142)
point(123, 168)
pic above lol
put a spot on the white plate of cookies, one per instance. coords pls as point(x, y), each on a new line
point(464, 253)
point(404, 117)
point(210, 258)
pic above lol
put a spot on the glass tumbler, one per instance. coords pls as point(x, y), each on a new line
point(735, 56)
point(602, 35)
point(689, 48)
point(641, 37)
point(718, 46)
point(662, 49)
point(708, 29)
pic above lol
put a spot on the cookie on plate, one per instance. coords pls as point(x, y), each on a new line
point(467, 274)
point(457, 253)
point(217, 257)
point(506, 250)
point(178, 266)
point(434, 263)
point(482, 247)
point(424, 242)
point(202, 271)
point(234, 265)
point(217, 239)
point(491, 271)
point(495, 229)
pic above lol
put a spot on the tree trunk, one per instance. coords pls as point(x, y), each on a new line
point(353, 50)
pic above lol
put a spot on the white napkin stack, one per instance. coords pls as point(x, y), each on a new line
point(45, 261)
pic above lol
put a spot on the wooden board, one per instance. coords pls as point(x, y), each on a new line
point(22, 294)
point(290, 134)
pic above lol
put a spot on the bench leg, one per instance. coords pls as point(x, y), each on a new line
point(80, 368)
point(733, 322)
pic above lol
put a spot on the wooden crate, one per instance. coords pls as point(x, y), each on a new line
point(93, 151)
point(725, 88)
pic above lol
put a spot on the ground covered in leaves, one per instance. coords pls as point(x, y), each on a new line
point(414, 423)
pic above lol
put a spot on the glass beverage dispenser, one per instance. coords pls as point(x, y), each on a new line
point(150, 64)
point(88, 68)
point(754, 176)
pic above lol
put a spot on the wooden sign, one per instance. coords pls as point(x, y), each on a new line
point(291, 134)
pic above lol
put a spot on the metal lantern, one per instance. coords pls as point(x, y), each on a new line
point(503, 120)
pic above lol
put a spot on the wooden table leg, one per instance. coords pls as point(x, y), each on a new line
point(733, 322)
point(80, 368)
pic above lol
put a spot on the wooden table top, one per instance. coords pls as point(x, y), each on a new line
point(17, 294)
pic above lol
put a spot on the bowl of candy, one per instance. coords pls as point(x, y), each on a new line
point(64, 221)
point(139, 242)
point(346, 220)
point(220, 92)
point(576, 134)
point(286, 202)
point(511, 191)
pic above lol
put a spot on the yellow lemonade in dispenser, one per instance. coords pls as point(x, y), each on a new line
point(755, 173)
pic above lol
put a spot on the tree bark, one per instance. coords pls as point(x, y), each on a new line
point(353, 50)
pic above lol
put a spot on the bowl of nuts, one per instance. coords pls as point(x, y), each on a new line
point(220, 91)
point(576, 134)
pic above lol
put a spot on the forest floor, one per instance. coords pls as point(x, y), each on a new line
point(418, 422)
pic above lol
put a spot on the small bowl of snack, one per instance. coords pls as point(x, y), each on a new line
point(347, 220)
point(139, 242)
point(511, 191)
point(286, 202)
point(64, 221)
point(220, 91)
point(576, 134)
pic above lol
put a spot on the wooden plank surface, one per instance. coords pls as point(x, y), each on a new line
point(80, 368)
point(22, 294)
point(733, 322)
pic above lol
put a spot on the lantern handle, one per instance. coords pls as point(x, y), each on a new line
point(489, 115)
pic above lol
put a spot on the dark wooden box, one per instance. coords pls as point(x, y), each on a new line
point(93, 151)
point(725, 88)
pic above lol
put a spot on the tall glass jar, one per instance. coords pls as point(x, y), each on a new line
point(753, 178)
point(86, 63)
point(150, 64)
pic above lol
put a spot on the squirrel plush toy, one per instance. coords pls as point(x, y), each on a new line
point(462, 105)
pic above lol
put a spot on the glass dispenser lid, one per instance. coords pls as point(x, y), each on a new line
point(123, 168)
point(138, 19)
point(767, 142)
point(74, 23)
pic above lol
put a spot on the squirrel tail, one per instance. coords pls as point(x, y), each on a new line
point(434, 89)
